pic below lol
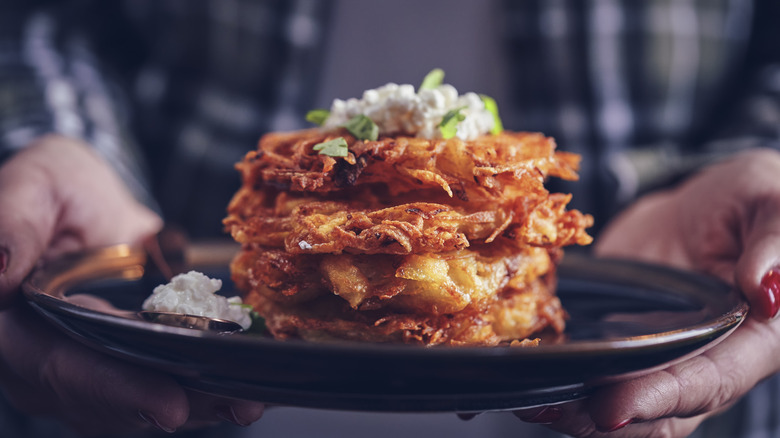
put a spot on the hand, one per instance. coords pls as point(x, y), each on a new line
point(43, 372)
point(58, 196)
point(724, 222)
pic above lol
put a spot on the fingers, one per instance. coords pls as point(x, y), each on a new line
point(647, 231)
point(104, 393)
point(753, 198)
point(574, 420)
point(58, 196)
point(207, 407)
point(97, 209)
point(702, 384)
point(757, 273)
point(680, 396)
point(43, 372)
point(723, 221)
point(27, 219)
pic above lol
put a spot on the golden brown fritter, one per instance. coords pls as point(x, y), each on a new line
point(369, 225)
point(486, 168)
point(429, 283)
point(516, 315)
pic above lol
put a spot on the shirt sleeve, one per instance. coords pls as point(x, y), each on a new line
point(51, 83)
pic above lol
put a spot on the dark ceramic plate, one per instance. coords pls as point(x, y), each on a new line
point(626, 319)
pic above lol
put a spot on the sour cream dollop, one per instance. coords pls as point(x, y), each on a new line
point(194, 293)
point(398, 109)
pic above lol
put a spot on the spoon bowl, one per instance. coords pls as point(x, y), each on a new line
point(191, 321)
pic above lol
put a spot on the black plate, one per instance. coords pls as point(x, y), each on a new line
point(626, 319)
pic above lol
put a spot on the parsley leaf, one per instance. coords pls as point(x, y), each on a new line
point(433, 79)
point(318, 116)
point(333, 148)
point(490, 105)
point(362, 128)
point(449, 123)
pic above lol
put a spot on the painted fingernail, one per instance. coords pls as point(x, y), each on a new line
point(149, 418)
point(770, 285)
point(547, 415)
point(3, 260)
point(226, 413)
point(618, 426)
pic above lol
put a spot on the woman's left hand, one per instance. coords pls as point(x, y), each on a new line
point(724, 221)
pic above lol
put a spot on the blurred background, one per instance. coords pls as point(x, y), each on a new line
point(630, 85)
point(374, 42)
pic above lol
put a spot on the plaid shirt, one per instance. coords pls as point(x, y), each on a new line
point(644, 90)
point(635, 87)
point(195, 82)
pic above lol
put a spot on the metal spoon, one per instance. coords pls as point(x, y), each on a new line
point(191, 321)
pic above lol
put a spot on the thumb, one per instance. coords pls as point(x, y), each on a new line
point(58, 196)
point(758, 268)
point(28, 211)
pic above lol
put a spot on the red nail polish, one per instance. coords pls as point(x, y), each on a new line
point(618, 426)
point(770, 285)
point(547, 415)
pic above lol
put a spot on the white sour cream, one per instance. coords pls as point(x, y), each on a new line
point(194, 293)
point(398, 109)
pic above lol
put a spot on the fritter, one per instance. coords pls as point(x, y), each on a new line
point(505, 165)
point(430, 283)
point(306, 225)
point(516, 314)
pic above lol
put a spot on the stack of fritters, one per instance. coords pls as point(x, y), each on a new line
point(405, 239)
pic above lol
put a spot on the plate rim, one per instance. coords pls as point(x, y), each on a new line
point(129, 257)
point(76, 321)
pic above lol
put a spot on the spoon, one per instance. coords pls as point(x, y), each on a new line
point(191, 321)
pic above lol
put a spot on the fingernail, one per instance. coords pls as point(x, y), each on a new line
point(226, 413)
point(618, 426)
point(149, 418)
point(770, 285)
point(547, 415)
point(3, 260)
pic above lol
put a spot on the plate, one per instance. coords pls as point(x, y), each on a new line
point(626, 319)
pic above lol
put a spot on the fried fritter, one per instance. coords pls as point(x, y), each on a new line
point(514, 315)
point(429, 283)
point(308, 225)
point(488, 168)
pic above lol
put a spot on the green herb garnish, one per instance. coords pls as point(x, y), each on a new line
point(258, 324)
point(490, 105)
point(449, 123)
point(333, 148)
point(362, 128)
point(433, 79)
point(318, 116)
